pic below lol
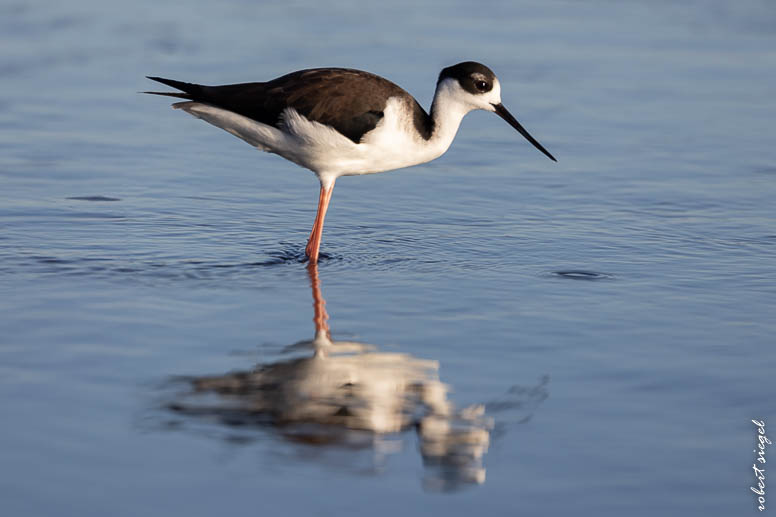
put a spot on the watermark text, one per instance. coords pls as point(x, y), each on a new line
point(759, 471)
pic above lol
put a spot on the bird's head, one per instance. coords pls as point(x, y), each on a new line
point(474, 86)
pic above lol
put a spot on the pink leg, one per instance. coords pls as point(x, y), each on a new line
point(314, 243)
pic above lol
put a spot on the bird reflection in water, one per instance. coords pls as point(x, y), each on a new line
point(343, 389)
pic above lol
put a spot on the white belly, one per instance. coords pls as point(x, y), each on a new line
point(393, 144)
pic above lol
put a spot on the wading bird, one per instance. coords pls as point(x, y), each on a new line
point(342, 122)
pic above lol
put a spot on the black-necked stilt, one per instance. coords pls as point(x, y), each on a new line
point(341, 122)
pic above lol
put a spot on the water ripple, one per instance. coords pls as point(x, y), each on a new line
point(93, 198)
point(581, 274)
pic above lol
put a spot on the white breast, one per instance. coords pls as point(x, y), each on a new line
point(393, 144)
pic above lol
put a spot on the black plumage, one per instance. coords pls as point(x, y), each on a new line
point(350, 101)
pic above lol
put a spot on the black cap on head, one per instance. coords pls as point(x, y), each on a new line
point(472, 76)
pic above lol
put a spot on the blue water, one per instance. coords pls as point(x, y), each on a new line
point(610, 316)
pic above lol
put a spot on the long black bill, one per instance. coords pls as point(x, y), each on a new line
point(506, 115)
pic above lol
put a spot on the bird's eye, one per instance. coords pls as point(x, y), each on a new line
point(481, 85)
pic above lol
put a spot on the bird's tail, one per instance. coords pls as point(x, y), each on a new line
point(188, 90)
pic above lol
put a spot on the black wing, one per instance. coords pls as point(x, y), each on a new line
point(350, 101)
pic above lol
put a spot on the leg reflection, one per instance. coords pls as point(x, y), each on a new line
point(332, 389)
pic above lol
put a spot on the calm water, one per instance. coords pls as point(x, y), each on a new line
point(531, 338)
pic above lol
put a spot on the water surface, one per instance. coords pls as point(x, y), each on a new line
point(593, 335)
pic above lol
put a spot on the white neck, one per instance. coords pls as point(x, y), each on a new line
point(447, 111)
